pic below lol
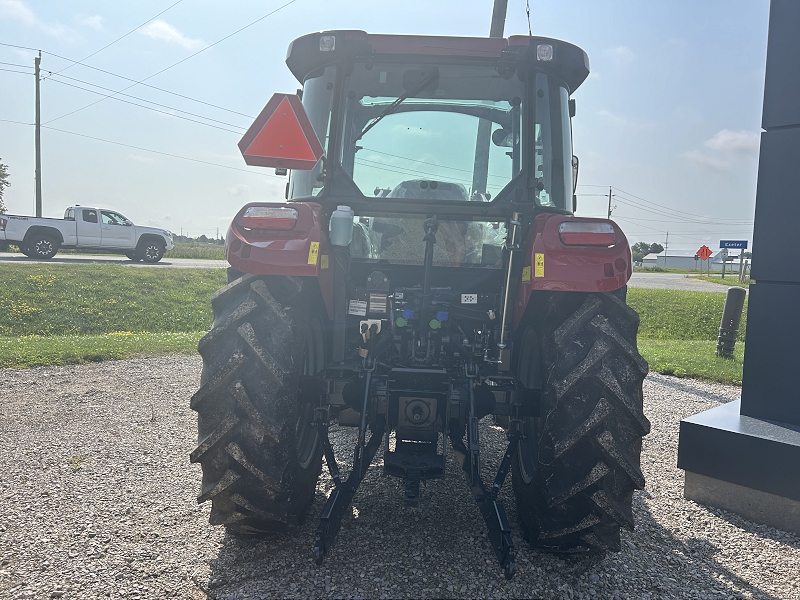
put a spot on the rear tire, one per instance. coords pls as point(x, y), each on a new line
point(42, 246)
point(260, 454)
point(575, 472)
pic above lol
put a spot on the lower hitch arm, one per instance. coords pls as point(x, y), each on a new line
point(343, 492)
point(491, 508)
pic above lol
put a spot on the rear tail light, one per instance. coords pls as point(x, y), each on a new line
point(269, 217)
point(3, 223)
point(582, 233)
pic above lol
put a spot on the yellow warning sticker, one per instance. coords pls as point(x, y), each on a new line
point(538, 269)
point(323, 261)
point(526, 273)
point(313, 253)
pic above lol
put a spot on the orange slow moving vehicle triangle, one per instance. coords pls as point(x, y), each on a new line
point(281, 136)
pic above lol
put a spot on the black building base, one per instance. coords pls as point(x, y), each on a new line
point(743, 464)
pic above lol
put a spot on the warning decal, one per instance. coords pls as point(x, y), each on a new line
point(323, 261)
point(313, 253)
point(538, 270)
point(526, 273)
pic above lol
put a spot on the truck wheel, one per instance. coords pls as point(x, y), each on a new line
point(575, 471)
point(260, 454)
point(151, 252)
point(134, 256)
point(42, 246)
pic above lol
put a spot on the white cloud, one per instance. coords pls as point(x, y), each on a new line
point(142, 159)
point(725, 146)
point(707, 163)
point(16, 10)
point(161, 30)
point(95, 22)
point(239, 190)
point(625, 121)
point(733, 141)
point(621, 56)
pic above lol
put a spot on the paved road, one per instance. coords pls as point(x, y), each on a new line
point(674, 281)
point(669, 281)
point(72, 259)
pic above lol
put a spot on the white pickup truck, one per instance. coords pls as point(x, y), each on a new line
point(85, 228)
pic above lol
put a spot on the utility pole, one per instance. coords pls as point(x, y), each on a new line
point(37, 138)
point(480, 172)
point(609, 202)
point(666, 249)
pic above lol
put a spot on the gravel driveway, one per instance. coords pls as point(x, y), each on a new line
point(97, 499)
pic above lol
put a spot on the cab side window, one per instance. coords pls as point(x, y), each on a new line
point(90, 216)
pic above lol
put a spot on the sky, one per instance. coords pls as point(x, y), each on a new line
point(669, 117)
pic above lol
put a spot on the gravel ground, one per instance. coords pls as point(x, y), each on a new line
point(97, 499)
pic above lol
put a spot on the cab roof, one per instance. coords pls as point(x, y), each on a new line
point(306, 54)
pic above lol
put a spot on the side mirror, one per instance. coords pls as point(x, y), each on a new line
point(502, 138)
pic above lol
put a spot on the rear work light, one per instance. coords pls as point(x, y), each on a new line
point(268, 217)
point(578, 233)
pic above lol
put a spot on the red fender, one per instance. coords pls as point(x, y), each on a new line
point(552, 265)
point(302, 251)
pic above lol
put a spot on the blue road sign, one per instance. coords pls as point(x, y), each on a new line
point(733, 244)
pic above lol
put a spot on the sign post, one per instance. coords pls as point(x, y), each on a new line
point(704, 253)
point(725, 244)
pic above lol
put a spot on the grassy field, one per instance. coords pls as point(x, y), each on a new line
point(728, 280)
point(196, 250)
point(63, 314)
point(60, 314)
point(678, 334)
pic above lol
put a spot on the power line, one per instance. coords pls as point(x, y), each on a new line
point(16, 65)
point(147, 85)
point(163, 112)
point(180, 61)
point(197, 160)
point(80, 62)
point(143, 100)
point(659, 208)
point(20, 72)
point(667, 207)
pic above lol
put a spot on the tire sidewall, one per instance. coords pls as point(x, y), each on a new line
point(151, 252)
point(42, 247)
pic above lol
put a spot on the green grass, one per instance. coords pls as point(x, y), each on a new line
point(196, 250)
point(32, 351)
point(679, 315)
point(730, 280)
point(64, 314)
point(58, 300)
point(693, 358)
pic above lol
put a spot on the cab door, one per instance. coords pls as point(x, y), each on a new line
point(87, 221)
point(116, 230)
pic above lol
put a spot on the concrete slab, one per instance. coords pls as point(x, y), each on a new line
point(757, 506)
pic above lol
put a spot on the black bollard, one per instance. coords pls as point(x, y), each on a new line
point(731, 316)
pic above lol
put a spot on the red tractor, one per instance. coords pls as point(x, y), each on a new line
point(425, 271)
